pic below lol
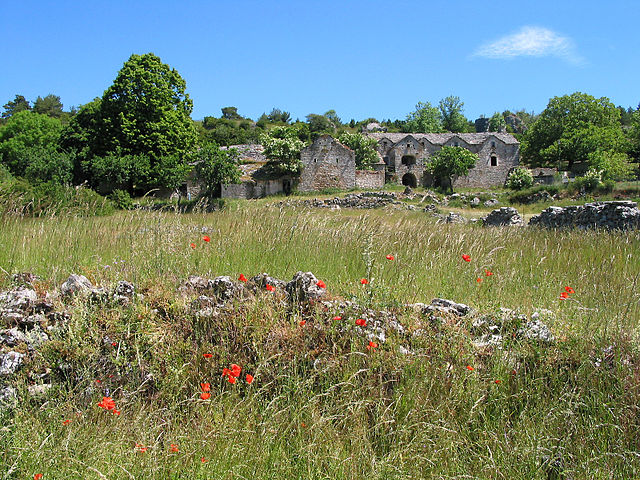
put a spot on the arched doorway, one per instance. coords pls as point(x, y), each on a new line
point(428, 180)
point(409, 179)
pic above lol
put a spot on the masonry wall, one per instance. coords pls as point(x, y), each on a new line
point(327, 164)
point(486, 175)
point(369, 179)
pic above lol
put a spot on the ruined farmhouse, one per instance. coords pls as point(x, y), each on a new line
point(403, 159)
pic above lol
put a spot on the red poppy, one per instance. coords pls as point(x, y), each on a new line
point(513, 372)
point(321, 284)
point(364, 281)
point(337, 318)
point(66, 422)
point(479, 280)
point(488, 273)
point(249, 378)
point(98, 381)
point(270, 288)
point(231, 379)
point(242, 278)
point(207, 355)
point(206, 387)
point(107, 403)
point(569, 290)
point(498, 382)
point(37, 476)
point(303, 323)
point(390, 257)
point(205, 395)
point(203, 460)
point(470, 368)
point(361, 322)
point(193, 245)
point(235, 370)
point(206, 238)
point(113, 344)
point(466, 258)
point(141, 448)
point(174, 448)
point(564, 295)
point(225, 372)
point(372, 345)
point(116, 412)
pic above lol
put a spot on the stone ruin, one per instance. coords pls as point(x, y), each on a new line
point(503, 217)
point(615, 215)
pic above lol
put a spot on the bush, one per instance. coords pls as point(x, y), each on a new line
point(519, 179)
point(589, 182)
point(121, 199)
point(534, 194)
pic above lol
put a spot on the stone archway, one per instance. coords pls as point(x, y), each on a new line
point(409, 179)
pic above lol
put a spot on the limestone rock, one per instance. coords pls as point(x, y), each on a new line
point(12, 337)
point(503, 217)
point(10, 362)
point(616, 215)
point(304, 287)
point(19, 299)
point(76, 284)
point(39, 391)
point(263, 279)
point(8, 398)
point(536, 330)
point(224, 288)
point(492, 202)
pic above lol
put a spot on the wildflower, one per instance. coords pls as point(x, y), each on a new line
point(564, 295)
point(249, 378)
point(303, 323)
point(205, 395)
point(470, 368)
point(226, 372)
point(513, 372)
point(116, 412)
point(270, 288)
point(372, 345)
point(66, 422)
point(141, 448)
point(235, 370)
point(361, 322)
point(479, 280)
point(321, 284)
point(114, 344)
point(206, 238)
point(193, 245)
point(242, 278)
point(37, 476)
point(98, 381)
point(390, 257)
point(207, 355)
point(231, 379)
point(303, 425)
point(488, 273)
point(569, 290)
point(337, 318)
point(107, 403)
point(498, 382)
point(174, 448)
point(466, 258)
point(203, 460)
point(364, 281)
point(206, 387)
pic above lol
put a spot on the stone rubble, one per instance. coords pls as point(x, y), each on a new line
point(503, 217)
point(614, 215)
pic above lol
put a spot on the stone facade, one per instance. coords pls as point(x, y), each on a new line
point(369, 179)
point(406, 156)
point(327, 163)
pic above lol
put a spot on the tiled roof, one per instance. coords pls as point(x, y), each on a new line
point(442, 138)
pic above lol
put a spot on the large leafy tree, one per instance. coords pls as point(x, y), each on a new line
point(497, 123)
point(573, 128)
point(18, 104)
point(451, 109)
point(282, 147)
point(216, 167)
point(363, 147)
point(425, 119)
point(449, 162)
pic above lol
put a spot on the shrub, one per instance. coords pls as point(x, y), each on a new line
point(589, 182)
point(121, 199)
point(519, 179)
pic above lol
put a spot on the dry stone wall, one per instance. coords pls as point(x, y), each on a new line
point(369, 179)
point(618, 215)
point(327, 164)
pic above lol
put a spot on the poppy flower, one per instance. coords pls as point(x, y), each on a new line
point(98, 381)
point(470, 368)
point(206, 238)
point(513, 372)
point(249, 378)
point(321, 284)
point(242, 278)
point(207, 355)
point(116, 412)
point(113, 344)
point(390, 257)
point(174, 448)
point(479, 280)
point(235, 370)
point(107, 403)
point(231, 379)
point(270, 288)
point(564, 295)
point(466, 258)
point(37, 476)
point(225, 372)
point(337, 318)
point(205, 395)
point(372, 345)
point(303, 323)
point(193, 245)
point(141, 448)
point(488, 273)
point(364, 281)
point(203, 460)
point(206, 387)
point(569, 290)
point(361, 322)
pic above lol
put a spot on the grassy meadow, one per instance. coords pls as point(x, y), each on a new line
point(322, 406)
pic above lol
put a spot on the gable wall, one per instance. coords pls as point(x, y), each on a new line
point(327, 164)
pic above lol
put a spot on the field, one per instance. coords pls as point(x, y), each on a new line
point(322, 405)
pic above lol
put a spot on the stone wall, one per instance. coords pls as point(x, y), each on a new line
point(486, 175)
point(327, 164)
point(618, 215)
point(369, 179)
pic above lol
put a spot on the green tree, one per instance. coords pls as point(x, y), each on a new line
point(48, 165)
point(451, 116)
point(279, 116)
point(425, 119)
point(23, 131)
point(18, 104)
point(319, 125)
point(282, 147)
point(363, 147)
point(571, 128)
point(230, 113)
point(497, 123)
point(216, 167)
point(333, 118)
point(519, 179)
point(49, 105)
point(449, 162)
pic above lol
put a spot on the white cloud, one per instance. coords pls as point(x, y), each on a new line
point(531, 42)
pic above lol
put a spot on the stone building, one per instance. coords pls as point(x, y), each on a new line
point(407, 154)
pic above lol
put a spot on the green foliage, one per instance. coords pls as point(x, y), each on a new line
point(216, 167)
point(364, 148)
point(449, 162)
point(451, 116)
point(589, 182)
point(223, 131)
point(82, 134)
point(19, 104)
point(279, 116)
point(231, 113)
point(497, 123)
point(48, 165)
point(612, 165)
point(23, 131)
point(121, 199)
point(519, 179)
point(115, 171)
point(571, 128)
point(49, 105)
point(425, 119)
point(282, 147)
point(319, 125)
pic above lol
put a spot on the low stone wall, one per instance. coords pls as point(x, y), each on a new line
point(369, 179)
point(618, 215)
point(503, 217)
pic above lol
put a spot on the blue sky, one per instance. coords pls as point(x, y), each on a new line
point(363, 58)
